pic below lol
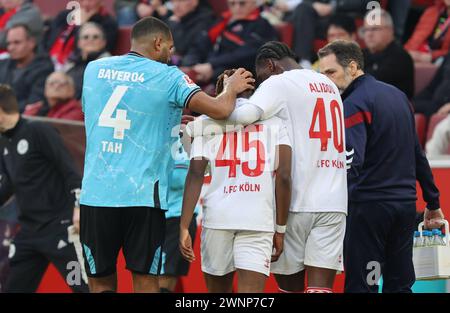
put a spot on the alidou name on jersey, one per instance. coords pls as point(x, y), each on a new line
point(121, 75)
point(330, 163)
point(321, 88)
point(247, 187)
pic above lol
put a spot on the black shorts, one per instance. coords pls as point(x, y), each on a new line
point(173, 262)
point(30, 254)
point(139, 231)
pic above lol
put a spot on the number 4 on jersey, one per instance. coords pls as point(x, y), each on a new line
point(120, 122)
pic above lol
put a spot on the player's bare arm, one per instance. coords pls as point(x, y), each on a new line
point(283, 185)
point(223, 105)
point(194, 182)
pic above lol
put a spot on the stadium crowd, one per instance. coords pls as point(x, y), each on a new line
point(43, 58)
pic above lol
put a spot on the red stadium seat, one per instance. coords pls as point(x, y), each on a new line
point(422, 3)
point(434, 121)
point(219, 6)
point(421, 128)
point(109, 5)
point(123, 43)
point(50, 9)
point(424, 73)
point(285, 33)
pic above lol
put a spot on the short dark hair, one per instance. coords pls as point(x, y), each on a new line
point(343, 21)
point(345, 52)
point(92, 24)
point(27, 29)
point(275, 50)
point(8, 100)
point(149, 26)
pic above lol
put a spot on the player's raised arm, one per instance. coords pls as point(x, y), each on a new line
point(241, 116)
point(223, 105)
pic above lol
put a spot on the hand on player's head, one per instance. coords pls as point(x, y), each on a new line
point(240, 81)
point(221, 81)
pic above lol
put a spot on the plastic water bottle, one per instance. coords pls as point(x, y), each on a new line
point(436, 239)
point(428, 238)
point(421, 240)
point(417, 239)
point(443, 239)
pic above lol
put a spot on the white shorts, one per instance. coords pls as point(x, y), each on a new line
point(224, 251)
point(312, 239)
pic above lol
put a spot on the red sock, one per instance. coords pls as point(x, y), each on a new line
point(318, 290)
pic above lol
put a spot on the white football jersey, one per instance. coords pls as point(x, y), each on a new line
point(241, 195)
point(312, 107)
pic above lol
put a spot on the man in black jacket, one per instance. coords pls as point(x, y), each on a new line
point(37, 168)
point(310, 20)
point(231, 43)
point(26, 70)
point(386, 162)
point(384, 58)
point(188, 20)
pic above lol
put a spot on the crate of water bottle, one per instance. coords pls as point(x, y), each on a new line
point(431, 253)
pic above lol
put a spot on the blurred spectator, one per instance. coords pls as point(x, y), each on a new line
point(91, 43)
point(277, 11)
point(399, 10)
point(384, 58)
point(189, 19)
point(310, 20)
point(130, 11)
point(341, 27)
point(431, 38)
point(231, 43)
point(60, 40)
point(436, 96)
point(60, 101)
point(16, 12)
point(440, 142)
point(26, 70)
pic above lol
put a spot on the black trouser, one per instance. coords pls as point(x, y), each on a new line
point(379, 241)
point(30, 255)
point(308, 25)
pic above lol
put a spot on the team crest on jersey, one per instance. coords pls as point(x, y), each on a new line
point(189, 81)
point(22, 146)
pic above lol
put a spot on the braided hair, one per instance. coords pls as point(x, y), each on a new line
point(275, 50)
